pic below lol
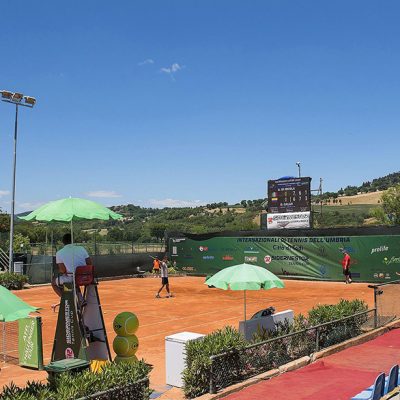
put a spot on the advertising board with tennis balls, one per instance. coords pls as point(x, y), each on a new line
point(126, 324)
point(126, 343)
point(125, 346)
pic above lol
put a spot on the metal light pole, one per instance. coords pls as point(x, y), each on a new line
point(298, 165)
point(15, 98)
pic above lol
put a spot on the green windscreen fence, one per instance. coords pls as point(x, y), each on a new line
point(374, 258)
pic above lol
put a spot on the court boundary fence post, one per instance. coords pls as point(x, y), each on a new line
point(212, 389)
point(316, 339)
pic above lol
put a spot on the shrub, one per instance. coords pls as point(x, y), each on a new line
point(341, 330)
point(74, 386)
point(13, 281)
point(196, 376)
point(330, 312)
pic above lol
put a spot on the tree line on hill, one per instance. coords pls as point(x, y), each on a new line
point(150, 224)
point(378, 184)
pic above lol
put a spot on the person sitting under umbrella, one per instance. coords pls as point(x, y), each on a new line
point(68, 259)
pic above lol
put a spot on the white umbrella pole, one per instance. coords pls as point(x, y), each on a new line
point(244, 295)
point(73, 265)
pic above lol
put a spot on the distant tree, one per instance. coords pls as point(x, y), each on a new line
point(4, 222)
point(244, 203)
point(21, 243)
point(391, 204)
point(158, 230)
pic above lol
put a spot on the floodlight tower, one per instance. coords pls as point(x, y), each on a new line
point(298, 166)
point(28, 101)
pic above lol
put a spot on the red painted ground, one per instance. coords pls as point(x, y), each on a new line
point(336, 377)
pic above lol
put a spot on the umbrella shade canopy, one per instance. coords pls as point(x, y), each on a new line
point(245, 277)
point(71, 209)
point(12, 307)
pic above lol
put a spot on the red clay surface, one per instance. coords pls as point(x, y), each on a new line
point(336, 377)
point(196, 308)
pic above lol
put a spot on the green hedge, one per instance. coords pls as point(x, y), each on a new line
point(13, 281)
point(319, 315)
point(198, 352)
point(80, 385)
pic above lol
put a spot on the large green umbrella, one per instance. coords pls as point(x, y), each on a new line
point(12, 307)
point(245, 277)
point(71, 209)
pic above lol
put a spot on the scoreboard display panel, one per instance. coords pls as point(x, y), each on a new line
point(289, 195)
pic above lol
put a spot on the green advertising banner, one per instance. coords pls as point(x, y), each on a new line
point(374, 258)
point(30, 347)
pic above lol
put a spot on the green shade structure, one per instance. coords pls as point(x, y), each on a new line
point(245, 277)
point(71, 209)
point(12, 308)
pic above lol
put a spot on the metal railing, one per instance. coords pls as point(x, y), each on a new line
point(239, 364)
point(136, 390)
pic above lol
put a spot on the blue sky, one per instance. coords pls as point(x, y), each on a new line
point(169, 103)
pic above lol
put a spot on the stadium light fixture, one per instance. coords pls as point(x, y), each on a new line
point(15, 98)
point(298, 166)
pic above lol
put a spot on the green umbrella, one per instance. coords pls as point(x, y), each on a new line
point(12, 307)
point(71, 209)
point(245, 277)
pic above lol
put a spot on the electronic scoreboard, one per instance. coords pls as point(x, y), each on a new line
point(288, 195)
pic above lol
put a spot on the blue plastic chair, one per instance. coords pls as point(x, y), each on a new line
point(376, 393)
point(393, 379)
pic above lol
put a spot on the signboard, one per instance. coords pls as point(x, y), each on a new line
point(68, 342)
point(299, 220)
point(30, 347)
point(374, 258)
point(289, 195)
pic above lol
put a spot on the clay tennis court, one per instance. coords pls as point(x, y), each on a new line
point(195, 308)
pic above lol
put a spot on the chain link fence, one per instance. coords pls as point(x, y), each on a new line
point(234, 366)
point(387, 305)
point(99, 248)
point(9, 342)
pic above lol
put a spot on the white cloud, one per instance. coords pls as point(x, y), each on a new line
point(28, 206)
point(4, 193)
point(174, 203)
point(146, 62)
point(173, 69)
point(107, 194)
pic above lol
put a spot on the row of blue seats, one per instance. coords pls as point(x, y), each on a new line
point(382, 386)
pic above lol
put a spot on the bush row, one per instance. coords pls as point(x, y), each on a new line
point(249, 362)
point(12, 281)
point(69, 386)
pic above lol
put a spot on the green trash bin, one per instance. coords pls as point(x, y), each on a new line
point(73, 365)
